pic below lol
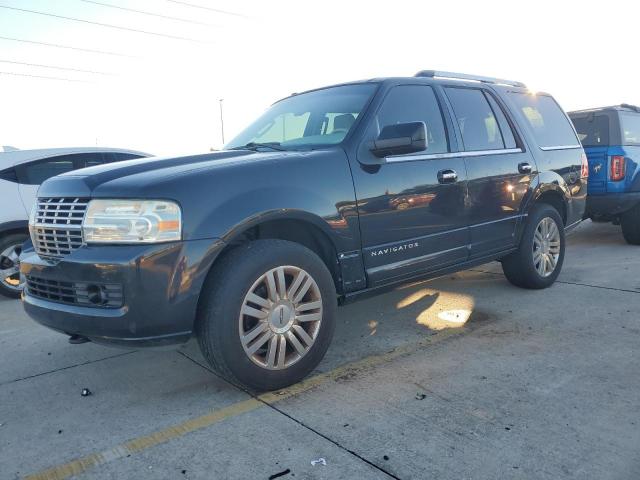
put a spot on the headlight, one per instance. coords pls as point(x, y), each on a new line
point(132, 221)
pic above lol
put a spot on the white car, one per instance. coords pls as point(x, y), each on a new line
point(21, 172)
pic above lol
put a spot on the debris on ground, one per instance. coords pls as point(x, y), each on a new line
point(386, 457)
point(280, 474)
point(320, 461)
point(86, 392)
point(420, 396)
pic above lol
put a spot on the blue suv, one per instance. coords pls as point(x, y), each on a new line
point(611, 140)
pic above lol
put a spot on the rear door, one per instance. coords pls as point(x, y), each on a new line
point(411, 207)
point(498, 168)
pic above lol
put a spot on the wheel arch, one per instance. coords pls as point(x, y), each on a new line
point(552, 193)
point(292, 225)
point(556, 200)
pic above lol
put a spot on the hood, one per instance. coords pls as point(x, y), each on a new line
point(137, 175)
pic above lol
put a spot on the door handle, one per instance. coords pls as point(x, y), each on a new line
point(447, 176)
point(525, 167)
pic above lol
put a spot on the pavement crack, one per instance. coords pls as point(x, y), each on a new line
point(88, 362)
point(292, 418)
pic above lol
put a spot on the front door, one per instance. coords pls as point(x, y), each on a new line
point(411, 207)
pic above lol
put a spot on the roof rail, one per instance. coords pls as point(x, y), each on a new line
point(464, 76)
point(630, 107)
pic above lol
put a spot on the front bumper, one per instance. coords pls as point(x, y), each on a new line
point(160, 286)
point(610, 204)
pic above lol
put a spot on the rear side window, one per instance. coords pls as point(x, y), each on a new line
point(9, 175)
point(100, 158)
point(630, 124)
point(93, 159)
point(593, 130)
point(478, 124)
point(37, 172)
point(415, 103)
point(550, 126)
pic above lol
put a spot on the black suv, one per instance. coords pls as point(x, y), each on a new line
point(331, 195)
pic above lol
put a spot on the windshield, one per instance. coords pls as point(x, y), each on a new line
point(318, 118)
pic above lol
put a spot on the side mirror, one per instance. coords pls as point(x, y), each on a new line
point(400, 139)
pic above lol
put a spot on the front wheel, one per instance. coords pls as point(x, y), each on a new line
point(630, 222)
point(538, 261)
point(267, 314)
point(11, 284)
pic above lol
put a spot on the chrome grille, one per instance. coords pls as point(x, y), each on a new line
point(57, 230)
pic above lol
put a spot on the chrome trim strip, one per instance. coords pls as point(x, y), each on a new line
point(560, 147)
point(432, 156)
point(412, 261)
point(512, 217)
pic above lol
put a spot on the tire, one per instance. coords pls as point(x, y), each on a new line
point(245, 271)
point(520, 268)
point(10, 248)
point(630, 222)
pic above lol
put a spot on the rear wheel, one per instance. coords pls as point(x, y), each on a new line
point(630, 222)
point(538, 261)
point(10, 249)
point(267, 314)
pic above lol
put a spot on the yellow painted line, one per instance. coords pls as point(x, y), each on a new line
point(82, 464)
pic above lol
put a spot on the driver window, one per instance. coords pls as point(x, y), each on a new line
point(415, 103)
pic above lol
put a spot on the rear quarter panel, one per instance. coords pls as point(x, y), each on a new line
point(631, 181)
point(558, 170)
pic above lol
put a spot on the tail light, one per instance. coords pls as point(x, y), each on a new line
point(584, 171)
point(617, 172)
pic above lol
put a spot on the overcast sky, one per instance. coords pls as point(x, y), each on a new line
point(160, 94)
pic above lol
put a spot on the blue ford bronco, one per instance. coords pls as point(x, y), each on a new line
point(331, 195)
point(611, 139)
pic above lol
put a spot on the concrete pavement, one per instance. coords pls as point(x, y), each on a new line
point(461, 377)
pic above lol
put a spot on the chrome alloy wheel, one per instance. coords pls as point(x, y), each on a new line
point(280, 317)
point(546, 247)
point(10, 268)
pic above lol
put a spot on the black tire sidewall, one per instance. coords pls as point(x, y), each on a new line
point(518, 266)
point(226, 293)
point(7, 241)
point(630, 223)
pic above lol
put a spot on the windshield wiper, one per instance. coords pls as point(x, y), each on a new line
point(256, 145)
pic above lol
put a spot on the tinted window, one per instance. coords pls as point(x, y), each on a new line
point(630, 124)
point(9, 174)
point(550, 126)
point(593, 130)
point(477, 122)
point(92, 159)
point(120, 156)
point(415, 103)
point(507, 134)
point(37, 172)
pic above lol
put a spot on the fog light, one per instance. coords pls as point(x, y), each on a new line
point(97, 295)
